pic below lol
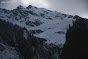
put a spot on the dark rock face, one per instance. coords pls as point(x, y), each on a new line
point(76, 45)
point(30, 6)
point(28, 48)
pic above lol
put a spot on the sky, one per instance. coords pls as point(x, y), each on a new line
point(72, 7)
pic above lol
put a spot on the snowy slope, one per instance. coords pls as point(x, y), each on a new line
point(54, 31)
point(52, 24)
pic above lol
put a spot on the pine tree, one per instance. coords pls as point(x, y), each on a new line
point(69, 26)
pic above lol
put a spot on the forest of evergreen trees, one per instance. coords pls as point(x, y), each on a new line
point(76, 45)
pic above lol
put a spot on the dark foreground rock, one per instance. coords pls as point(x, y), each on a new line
point(76, 45)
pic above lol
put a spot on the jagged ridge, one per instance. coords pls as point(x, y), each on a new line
point(49, 23)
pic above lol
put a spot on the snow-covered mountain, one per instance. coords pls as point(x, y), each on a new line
point(44, 23)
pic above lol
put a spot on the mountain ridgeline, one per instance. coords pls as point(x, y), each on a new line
point(76, 45)
point(43, 23)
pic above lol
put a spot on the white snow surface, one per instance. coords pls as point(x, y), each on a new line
point(52, 22)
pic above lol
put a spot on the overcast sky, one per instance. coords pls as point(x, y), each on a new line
point(72, 7)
